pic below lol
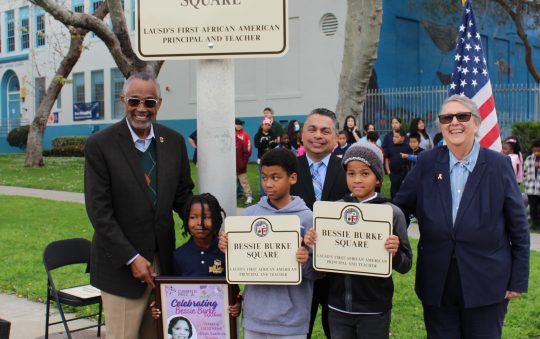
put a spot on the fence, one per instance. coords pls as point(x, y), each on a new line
point(513, 102)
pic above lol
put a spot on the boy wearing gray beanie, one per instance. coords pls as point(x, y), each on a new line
point(362, 304)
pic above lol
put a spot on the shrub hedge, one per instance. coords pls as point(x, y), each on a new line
point(526, 132)
point(72, 146)
point(17, 137)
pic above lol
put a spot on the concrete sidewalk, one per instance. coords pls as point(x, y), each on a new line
point(28, 318)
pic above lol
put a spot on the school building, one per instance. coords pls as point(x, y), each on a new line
point(416, 49)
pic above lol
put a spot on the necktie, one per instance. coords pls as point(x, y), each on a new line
point(317, 179)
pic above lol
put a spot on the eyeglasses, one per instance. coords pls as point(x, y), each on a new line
point(460, 116)
point(135, 102)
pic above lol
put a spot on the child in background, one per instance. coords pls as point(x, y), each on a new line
point(360, 306)
point(264, 139)
point(396, 167)
point(342, 146)
point(414, 144)
point(200, 256)
point(279, 311)
point(512, 148)
point(284, 142)
point(531, 183)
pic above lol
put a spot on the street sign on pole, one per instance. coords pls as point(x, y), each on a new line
point(210, 29)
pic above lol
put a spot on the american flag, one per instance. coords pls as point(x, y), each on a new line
point(470, 78)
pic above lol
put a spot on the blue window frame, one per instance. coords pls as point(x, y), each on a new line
point(94, 6)
point(24, 28)
point(40, 26)
point(10, 30)
point(78, 88)
point(98, 91)
point(117, 84)
point(78, 6)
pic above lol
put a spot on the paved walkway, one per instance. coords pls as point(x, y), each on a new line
point(28, 318)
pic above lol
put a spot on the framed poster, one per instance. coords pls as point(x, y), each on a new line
point(195, 308)
point(262, 250)
point(351, 237)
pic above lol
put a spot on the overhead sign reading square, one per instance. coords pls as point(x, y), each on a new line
point(210, 29)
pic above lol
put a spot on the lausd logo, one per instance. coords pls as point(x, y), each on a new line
point(261, 228)
point(351, 216)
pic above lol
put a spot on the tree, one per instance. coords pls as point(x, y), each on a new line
point(525, 14)
point(117, 40)
point(362, 30)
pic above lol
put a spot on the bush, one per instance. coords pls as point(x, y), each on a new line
point(526, 132)
point(67, 147)
point(17, 137)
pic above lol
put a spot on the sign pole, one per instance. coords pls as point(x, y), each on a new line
point(215, 131)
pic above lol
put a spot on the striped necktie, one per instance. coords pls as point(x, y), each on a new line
point(317, 179)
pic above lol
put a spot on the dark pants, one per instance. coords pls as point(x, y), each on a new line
point(369, 326)
point(395, 182)
point(534, 209)
point(453, 320)
point(320, 296)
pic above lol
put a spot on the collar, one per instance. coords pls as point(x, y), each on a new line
point(365, 200)
point(134, 135)
point(469, 161)
point(325, 160)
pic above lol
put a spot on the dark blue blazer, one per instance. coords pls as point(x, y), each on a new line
point(490, 238)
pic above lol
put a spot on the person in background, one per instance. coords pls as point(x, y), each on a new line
point(350, 129)
point(243, 152)
point(531, 183)
point(473, 252)
point(293, 130)
point(284, 142)
point(193, 142)
point(369, 127)
point(388, 138)
point(342, 146)
point(395, 165)
point(276, 128)
point(264, 140)
point(419, 126)
point(414, 144)
point(512, 148)
point(136, 173)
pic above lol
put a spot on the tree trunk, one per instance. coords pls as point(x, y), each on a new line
point(517, 17)
point(362, 30)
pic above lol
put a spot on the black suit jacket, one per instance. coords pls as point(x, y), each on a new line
point(120, 206)
point(335, 185)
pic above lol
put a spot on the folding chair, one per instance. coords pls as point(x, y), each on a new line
point(59, 254)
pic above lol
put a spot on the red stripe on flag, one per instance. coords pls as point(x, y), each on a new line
point(490, 137)
point(487, 107)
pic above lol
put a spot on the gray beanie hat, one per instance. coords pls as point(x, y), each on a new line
point(368, 153)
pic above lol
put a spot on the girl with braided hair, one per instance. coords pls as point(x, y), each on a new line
point(200, 256)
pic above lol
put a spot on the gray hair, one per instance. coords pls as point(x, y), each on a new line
point(144, 75)
point(327, 113)
point(465, 102)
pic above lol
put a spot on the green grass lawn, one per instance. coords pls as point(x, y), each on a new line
point(27, 225)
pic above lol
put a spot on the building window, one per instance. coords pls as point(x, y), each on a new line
point(25, 28)
point(78, 6)
point(117, 84)
point(40, 26)
point(10, 29)
point(39, 90)
point(78, 88)
point(96, 78)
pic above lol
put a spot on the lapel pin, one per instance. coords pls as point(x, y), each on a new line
point(161, 139)
point(439, 176)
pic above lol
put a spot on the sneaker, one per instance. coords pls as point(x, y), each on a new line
point(249, 200)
